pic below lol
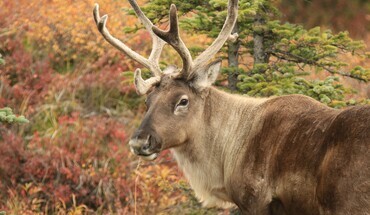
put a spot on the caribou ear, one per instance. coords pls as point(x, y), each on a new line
point(206, 78)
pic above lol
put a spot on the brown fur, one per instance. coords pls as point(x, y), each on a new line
point(284, 155)
point(313, 159)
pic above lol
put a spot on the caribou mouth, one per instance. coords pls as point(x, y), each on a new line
point(146, 156)
point(149, 157)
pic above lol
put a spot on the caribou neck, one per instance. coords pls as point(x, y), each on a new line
point(229, 122)
point(219, 136)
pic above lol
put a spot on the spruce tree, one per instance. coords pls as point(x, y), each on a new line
point(283, 54)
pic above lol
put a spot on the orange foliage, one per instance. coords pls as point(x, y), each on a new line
point(72, 157)
point(57, 27)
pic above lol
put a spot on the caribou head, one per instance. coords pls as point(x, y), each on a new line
point(175, 97)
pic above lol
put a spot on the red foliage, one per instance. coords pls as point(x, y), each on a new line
point(23, 78)
point(71, 164)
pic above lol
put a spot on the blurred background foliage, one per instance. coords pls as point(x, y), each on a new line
point(77, 92)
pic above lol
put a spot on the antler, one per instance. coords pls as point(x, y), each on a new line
point(151, 63)
point(172, 37)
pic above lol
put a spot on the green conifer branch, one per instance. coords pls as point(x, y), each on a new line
point(7, 116)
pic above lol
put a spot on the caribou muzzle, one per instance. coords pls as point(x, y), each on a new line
point(147, 148)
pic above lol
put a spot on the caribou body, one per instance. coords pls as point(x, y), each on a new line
point(282, 155)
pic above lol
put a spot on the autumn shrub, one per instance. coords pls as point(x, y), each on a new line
point(24, 80)
point(72, 157)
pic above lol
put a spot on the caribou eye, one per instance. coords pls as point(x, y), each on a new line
point(183, 102)
point(182, 105)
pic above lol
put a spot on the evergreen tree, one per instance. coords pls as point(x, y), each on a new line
point(283, 54)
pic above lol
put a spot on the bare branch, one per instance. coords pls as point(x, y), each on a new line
point(298, 59)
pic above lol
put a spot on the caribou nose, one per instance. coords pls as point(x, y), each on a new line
point(139, 146)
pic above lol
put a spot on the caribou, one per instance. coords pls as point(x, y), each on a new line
point(281, 155)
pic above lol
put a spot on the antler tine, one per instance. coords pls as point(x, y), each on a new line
point(142, 86)
point(173, 38)
point(151, 63)
point(158, 43)
point(232, 14)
